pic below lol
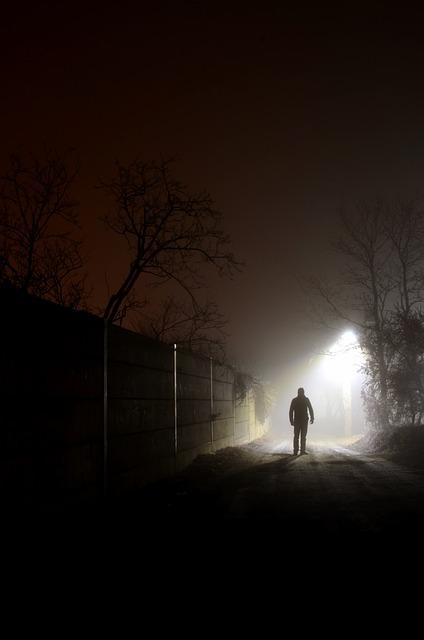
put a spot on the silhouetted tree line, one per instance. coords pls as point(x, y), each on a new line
point(172, 235)
point(381, 292)
point(39, 251)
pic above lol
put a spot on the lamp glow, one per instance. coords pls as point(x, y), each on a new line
point(344, 358)
point(342, 363)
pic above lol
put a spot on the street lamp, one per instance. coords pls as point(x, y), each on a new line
point(342, 362)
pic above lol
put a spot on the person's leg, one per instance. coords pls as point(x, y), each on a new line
point(296, 438)
point(303, 432)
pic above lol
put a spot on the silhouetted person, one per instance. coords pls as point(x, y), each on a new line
point(300, 413)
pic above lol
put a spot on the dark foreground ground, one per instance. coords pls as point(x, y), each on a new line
point(334, 491)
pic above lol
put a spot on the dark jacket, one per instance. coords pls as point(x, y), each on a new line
point(299, 407)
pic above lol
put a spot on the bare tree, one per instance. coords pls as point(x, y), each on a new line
point(171, 233)
point(405, 231)
point(381, 290)
point(38, 252)
point(195, 327)
point(362, 294)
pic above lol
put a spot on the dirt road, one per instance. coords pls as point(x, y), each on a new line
point(333, 490)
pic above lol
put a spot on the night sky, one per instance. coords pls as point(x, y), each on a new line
point(283, 115)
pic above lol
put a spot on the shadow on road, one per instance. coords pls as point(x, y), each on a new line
point(330, 493)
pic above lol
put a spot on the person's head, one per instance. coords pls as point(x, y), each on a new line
point(301, 392)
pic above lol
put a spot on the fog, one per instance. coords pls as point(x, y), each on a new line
point(332, 381)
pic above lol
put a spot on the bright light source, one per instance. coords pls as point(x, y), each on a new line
point(342, 362)
point(348, 338)
point(344, 358)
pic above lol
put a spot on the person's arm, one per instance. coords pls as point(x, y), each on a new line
point(311, 411)
point(291, 412)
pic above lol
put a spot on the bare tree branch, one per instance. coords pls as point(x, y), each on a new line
point(193, 326)
point(171, 233)
point(38, 252)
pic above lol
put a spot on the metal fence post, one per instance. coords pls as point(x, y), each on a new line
point(234, 412)
point(105, 407)
point(249, 398)
point(211, 392)
point(175, 403)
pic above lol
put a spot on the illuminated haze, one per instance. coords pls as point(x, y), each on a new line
point(283, 115)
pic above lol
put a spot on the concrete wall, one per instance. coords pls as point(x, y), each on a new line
point(52, 398)
point(140, 410)
point(145, 441)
